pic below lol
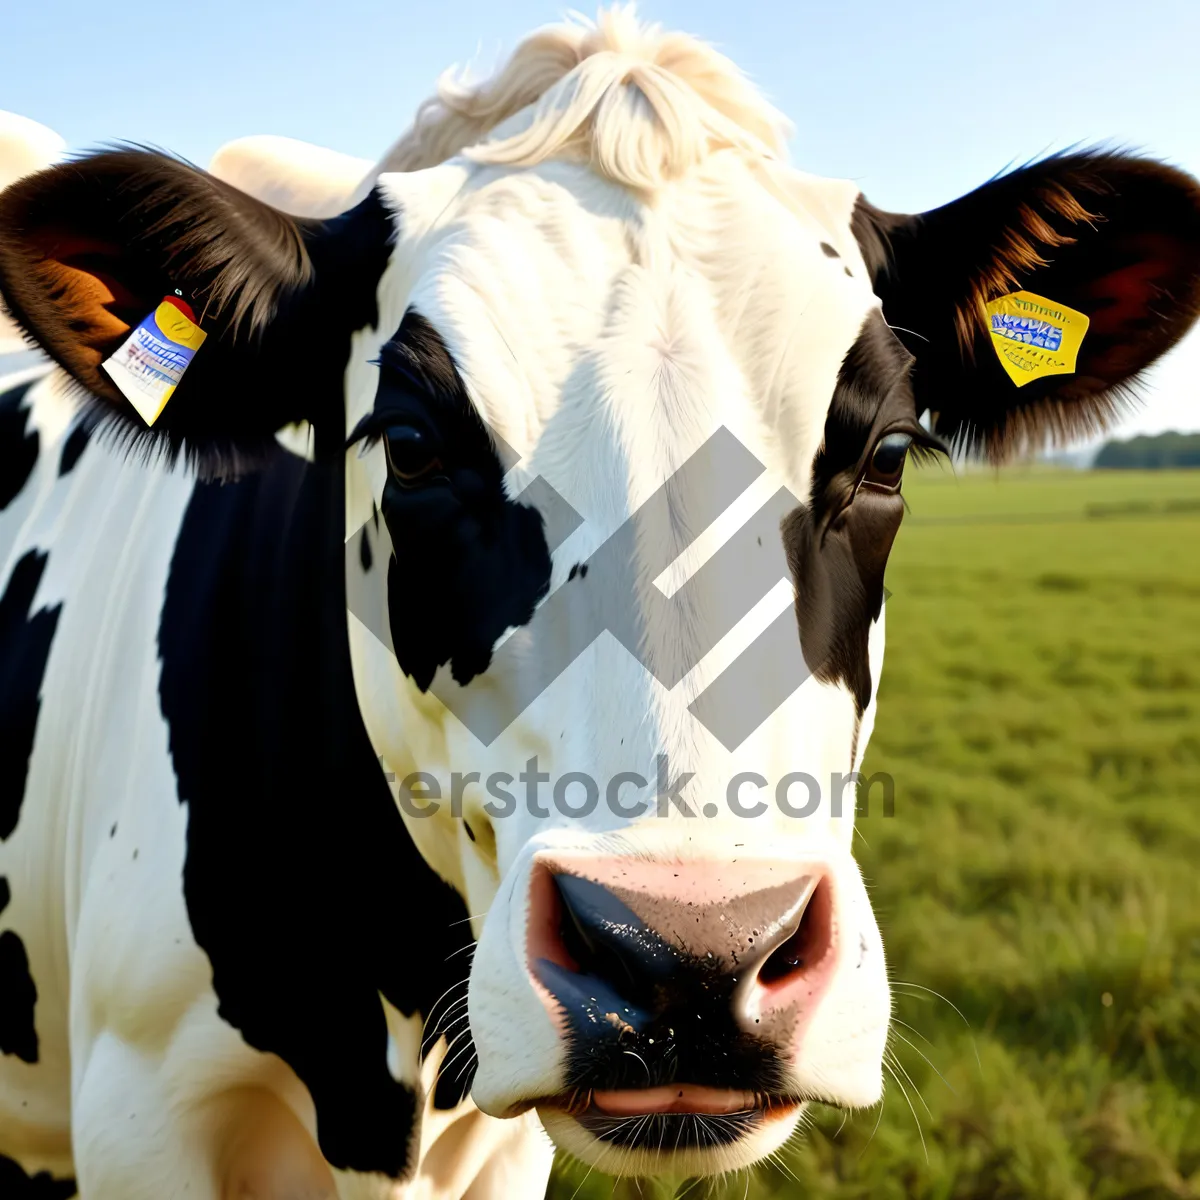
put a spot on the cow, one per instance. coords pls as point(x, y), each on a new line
point(308, 886)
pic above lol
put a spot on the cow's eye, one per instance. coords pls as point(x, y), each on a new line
point(887, 461)
point(411, 455)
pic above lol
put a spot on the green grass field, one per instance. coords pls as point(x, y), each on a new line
point(1040, 713)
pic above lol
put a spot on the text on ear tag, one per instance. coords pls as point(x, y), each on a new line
point(152, 359)
point(1034, 337)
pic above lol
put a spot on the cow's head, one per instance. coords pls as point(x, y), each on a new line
point(625, 405)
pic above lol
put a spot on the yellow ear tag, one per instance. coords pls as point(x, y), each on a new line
point(1035, 337)
point(151, 361)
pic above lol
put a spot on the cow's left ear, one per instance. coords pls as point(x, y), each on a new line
point(90, 248)
point(1113, 237)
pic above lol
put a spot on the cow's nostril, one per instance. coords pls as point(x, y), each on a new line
point(546, 942)
point(580, 949)
point(808, 945)
point(605, 939)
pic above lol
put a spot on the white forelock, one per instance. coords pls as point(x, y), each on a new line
point(640, 105)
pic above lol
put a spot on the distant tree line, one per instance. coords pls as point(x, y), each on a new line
point(1160, 452)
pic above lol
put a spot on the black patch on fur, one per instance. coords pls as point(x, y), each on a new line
point(484, 556)
point(5, 893)
point(18, 999)
point(25, 639)
point(24, 647)
point(18, 448)
point(838, 545)
point(15, 1184)
point(829, 251)
point(73, 448)
point(302, 884)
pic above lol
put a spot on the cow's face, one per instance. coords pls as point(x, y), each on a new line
point(605, 459)
point(624, 470)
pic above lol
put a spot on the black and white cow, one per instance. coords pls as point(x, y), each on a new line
point(231, 912)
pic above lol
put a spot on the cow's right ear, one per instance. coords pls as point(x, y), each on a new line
point(1033, 304)
point(89, 248)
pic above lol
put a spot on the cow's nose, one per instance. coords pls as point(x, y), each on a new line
point(649, 960)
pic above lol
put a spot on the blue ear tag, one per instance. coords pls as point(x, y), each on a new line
point(151, 361)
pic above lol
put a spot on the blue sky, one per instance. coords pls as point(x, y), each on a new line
point(917, 101)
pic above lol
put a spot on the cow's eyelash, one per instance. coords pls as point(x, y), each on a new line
point(370, 430)
point(397, 361)
point(926, 446)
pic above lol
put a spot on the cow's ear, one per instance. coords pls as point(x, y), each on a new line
point(90, 248)
point(1113, 237)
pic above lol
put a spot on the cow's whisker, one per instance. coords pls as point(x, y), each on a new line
point(464, 920)
point(583, 1181)
point(435, 1026)
point(470, 1063)
point(777, 1158)
point(920, 987)
point(914, 1046)
point(875, 1129)
point(920, 1132)
point(468, 1047)
point(896, 1021)
point(899, 1066)
point(645, 1067)
point(451, 1042)
point(434, 1007)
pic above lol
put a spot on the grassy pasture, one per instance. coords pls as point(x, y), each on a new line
point(1040, 713)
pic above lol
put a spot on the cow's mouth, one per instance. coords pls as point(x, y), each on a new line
point(673, 1117)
